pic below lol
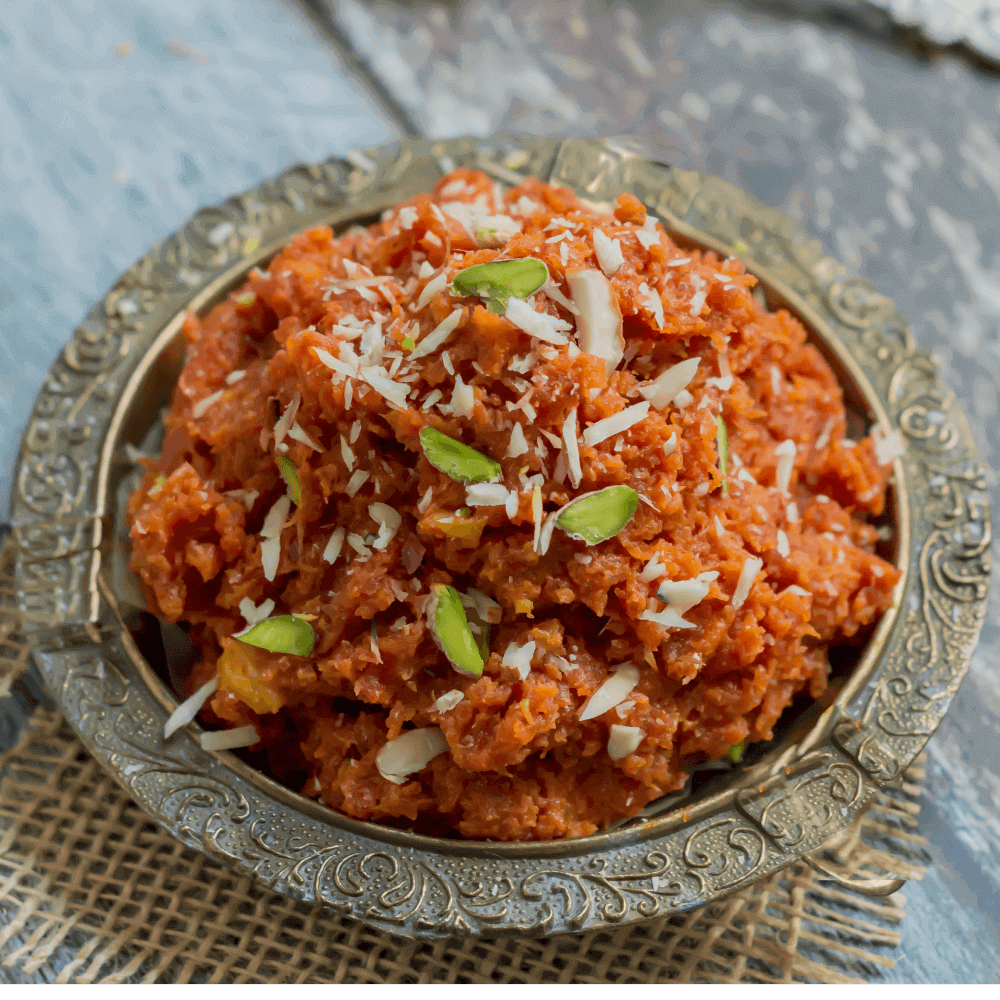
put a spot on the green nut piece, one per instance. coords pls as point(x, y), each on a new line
point(281, 634)
point(447, 620)
point(457, 460)
point(596, 517)
point(498, 280)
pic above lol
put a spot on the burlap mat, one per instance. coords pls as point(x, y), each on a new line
point(92, 891)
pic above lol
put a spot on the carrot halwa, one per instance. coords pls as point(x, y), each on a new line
point(438, 639)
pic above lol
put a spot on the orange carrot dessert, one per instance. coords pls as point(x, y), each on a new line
point(496, 517)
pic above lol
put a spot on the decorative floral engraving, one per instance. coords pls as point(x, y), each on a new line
point(855, 303)
point(749, 854)
point(923, 405)
point(59, 538)
point(812, 802)
point(56, 590)
point(953, 577)
point(393, 878)
point(50, 485)
point(94, 346)
point(876, 759)
point(582, 890)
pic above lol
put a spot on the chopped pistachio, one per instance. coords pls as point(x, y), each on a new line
point(282, 634)
point(457, 460)
point(447, 620)
point(596, 517)
point(464, 511)
point(408, 344)
point(735, 752)
point(291, 477)
point(722, 443)
point(158, 485)
point(498, 280)
point(484, 643)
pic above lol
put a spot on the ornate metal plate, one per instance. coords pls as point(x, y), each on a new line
point(74, 589)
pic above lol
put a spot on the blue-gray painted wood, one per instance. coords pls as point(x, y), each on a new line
point(101, 155)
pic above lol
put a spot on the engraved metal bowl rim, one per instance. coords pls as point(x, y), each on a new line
point(354, 192)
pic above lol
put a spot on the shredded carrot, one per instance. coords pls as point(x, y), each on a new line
point(323, 325)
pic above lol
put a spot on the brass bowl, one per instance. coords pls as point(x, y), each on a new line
point(77, 598)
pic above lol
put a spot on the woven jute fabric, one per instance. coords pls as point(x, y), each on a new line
point(91, 890)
